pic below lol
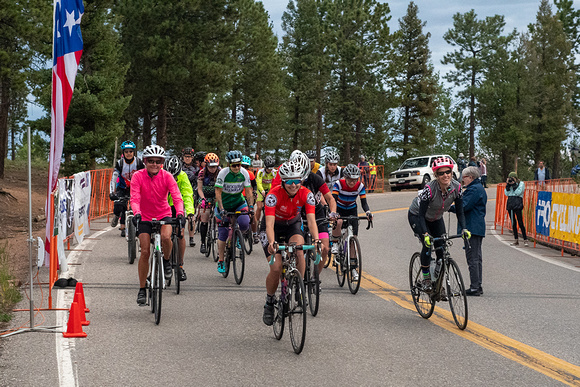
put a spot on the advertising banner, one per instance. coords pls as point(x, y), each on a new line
point(543, 211)
point(565, 217)
point(82, 200)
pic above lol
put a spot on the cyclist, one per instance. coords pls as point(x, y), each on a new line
point(264, 179)
point(246, 161)
point(173, 166)
point(206, 191)
point(427, 209)
point(314, 166)
point(150, 187)
point(283, 225)
point(189, 167)
point(345, 192)
point(229, 185)
point(331, 172)
point(120, 187)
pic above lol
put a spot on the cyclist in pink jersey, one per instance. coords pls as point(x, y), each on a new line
point(149, 190)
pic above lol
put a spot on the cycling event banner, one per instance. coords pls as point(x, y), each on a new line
point(82, 201)
point(558, 216)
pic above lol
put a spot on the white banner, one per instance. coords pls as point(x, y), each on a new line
point(82, 200)
point(64, 198)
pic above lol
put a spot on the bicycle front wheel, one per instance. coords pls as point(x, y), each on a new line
point(158, 286)
point(208, 241)
point(297, 311)
point(238, 255)
point(313, 289)
point(279, 317)
point(354, 271)
point(456, 294)
point(214, 236)
point(175, 263)
point(248, 239)
point(424, 303)
point(131, 240)
point(340, 267)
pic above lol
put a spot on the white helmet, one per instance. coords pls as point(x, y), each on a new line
point(332, 157)
point(351, 171)
point(291, 170)
point(154, 151)
point(300, 158)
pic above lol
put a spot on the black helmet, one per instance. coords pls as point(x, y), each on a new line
point(269, 162)
point(311, 154)
point(187, 151)
point(199, 156)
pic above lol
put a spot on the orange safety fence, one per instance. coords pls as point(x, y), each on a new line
point(502, 218)
point(374, 182)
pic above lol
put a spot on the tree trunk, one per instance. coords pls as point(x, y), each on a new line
point(296, 123)
point(4, 109)
point(556, 166)
point(146, 129)
point(472, 117)
point(12, 144)
point(162, 122)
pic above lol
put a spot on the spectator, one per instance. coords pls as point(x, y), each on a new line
point(461, 164)
point(257, 163)
point(363, 166)
point(514, 190)
point(474, 204)
point(542, 173)
point(373, 174)
point(483, 172)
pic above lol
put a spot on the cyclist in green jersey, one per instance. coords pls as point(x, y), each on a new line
point(173, 166)
point(229, 185)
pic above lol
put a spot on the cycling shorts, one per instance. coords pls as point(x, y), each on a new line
point(145, 227)
point(350, 212)
point(282, 234)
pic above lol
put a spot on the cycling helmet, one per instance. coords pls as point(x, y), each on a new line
point(172, 165)
point(234, 156)
point(332, 157)
point(269, 162)
point(246, 161)
point(441, 162)
point(199, 156)
point(212, 160)
point(311, 154)
point(154, 151)
point(187, 151)
point(351, 171)
point(303, 160)
point(291, 170)
point(128, 145)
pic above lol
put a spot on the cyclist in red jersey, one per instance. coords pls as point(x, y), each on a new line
point(283, 225)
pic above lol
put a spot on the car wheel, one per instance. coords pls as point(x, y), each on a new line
point(394, 189)
point(426, 179)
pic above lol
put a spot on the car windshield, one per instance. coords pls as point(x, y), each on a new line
point(415, 163)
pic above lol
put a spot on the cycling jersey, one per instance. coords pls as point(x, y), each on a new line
point(315, 168)
point(186, 193)
point(232, 185)
point(208, 180)
point(149, 195)
point(329, 178)
point(192, 173)
point(123, 173)
point(252, 180)
point(287, 209)
point(264, 179)
point(345, 196)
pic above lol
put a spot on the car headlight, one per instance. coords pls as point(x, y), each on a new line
point(414, 173)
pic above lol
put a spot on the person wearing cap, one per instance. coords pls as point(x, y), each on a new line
point(461, 163)
point(373, 174)
point(514, 190)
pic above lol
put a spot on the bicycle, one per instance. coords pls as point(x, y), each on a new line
point(131, 236)
point(234, 252)
point(290, 297)
point(248, 240)
point(156, 279)
point(175, 259)
point(211, 236)
point(444, 270)
point(311, 274)
point(347, 266)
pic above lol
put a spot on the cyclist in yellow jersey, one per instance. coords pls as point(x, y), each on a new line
point(313, 164)
point(373, 173)
point(264, 179)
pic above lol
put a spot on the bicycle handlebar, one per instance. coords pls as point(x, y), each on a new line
point(356, 217)
point(446, 237)
point(290, 248)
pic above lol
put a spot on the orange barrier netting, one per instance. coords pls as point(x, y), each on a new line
point(532, 188)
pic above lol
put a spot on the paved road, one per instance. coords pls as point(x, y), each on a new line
point(523, 331)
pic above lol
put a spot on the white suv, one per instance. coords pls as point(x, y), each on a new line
point(416, 172)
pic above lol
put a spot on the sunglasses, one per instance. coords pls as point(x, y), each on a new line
point(235, 165)
point(294, 181)
point(444, 173)
point(129, 150)
point(158, 162)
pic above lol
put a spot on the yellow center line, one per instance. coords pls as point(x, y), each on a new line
point(533, 358)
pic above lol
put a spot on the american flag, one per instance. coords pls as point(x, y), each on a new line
point(66, 54)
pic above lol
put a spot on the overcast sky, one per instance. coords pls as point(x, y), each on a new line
point(439, 17)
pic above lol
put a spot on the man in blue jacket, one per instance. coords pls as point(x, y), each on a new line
point(474, 203)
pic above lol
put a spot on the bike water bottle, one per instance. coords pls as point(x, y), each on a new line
point(438, 268)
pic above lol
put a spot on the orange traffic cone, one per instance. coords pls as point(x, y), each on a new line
point(79, 300)
point(74, 326)
point(79, 289)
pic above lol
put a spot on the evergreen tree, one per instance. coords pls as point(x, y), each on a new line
point(476, 41)
point(415, 87)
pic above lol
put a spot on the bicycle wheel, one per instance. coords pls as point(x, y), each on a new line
point(314, 290)
point(208, 244)
point(158, 287)
point(238, 255)
point(456, 294)
point(175, 263)
point(297, 311)
point(131, 240)
point(340, 267)
point(248, 239)
point(279, 317)
point(227, 260)
point(213, 231)
point(355, 263)
point(423, 301)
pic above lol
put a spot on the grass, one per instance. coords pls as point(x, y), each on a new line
point(9, 294)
